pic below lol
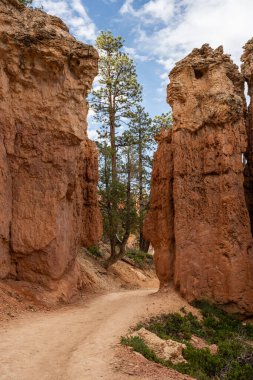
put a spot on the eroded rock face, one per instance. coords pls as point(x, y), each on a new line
point(48, 167)
point(159, 223)
point(247, 71)
point(213, 242)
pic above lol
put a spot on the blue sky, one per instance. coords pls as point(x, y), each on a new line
point(158, 33)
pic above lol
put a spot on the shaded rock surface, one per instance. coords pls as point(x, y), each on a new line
point(159, 223)
point(48, 166)
point(164, 349)
point(247, 71)
point(213, 241)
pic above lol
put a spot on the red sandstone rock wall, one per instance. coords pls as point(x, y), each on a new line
point(213, 242)
point(247, 71)
point(48, 167)
point(159, 223)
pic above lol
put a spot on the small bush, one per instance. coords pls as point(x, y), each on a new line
point(94, 251)
point(139, 346)
point(174, 326)
point(201, 363)
point(234, 359)
point(219, 325)
point(140, 258)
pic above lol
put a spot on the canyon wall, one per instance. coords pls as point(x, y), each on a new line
point(48, 166)
point(247, 71)
point(159, 222)
point(208, 213)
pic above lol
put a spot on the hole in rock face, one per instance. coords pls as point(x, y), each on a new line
point(70, 191)
point(198, 73)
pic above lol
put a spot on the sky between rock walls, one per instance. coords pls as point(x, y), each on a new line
point(158, 33)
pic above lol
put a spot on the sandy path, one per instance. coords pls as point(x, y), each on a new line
point(70, 344)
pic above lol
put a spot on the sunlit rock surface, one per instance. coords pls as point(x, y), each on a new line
point(48, 166)
point(207, 209)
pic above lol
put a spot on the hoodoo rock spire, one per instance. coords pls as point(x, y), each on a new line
point(198, 199)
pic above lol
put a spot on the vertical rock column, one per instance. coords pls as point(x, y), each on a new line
point(159, 222)
point(247, 71)
point(212, 229)
point(48, 166)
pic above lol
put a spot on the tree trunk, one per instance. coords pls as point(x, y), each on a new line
point(144, 244)
point(113, 197)
point(140, 175)
point(122, 245)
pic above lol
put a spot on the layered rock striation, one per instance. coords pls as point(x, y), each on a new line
point(207, 212)
point(48, 166)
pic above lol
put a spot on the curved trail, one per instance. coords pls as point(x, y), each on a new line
point(72, 344)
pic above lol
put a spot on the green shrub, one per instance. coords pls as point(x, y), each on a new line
point(234, 359)
point(174, 326)
point(238, 372)
point(94, 251)
point(219, 325)
point(201, 363)
point(140, 258)
point(139, 346)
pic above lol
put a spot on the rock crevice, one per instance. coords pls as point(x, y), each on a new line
point(247, 71)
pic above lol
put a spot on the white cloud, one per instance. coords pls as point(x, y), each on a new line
point(92, 126)
point(152, 11)
point(96, 83)
point(74, 14)
point(167, 63)
point(166, 30)
point(91, 113)
point(135, 56)
point(191, 24)
point(127, 7)
point(92, 133)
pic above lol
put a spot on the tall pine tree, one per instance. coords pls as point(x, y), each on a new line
point(112, 102)
point(26, 2)
point(142, 136)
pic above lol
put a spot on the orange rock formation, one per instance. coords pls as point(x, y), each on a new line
point(159, 223)
point(48, 166)
point(247, 71)
point(207, 209)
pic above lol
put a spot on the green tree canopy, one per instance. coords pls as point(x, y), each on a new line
point(126, 144)
point(118, 92)
point(26, 2)
point(163, 121)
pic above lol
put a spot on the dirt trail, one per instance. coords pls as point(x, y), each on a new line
point(70, 344)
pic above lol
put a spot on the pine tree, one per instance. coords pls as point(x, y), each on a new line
point(142, 135)
point(112, 102)
point(26, 2)
point(163, 121)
